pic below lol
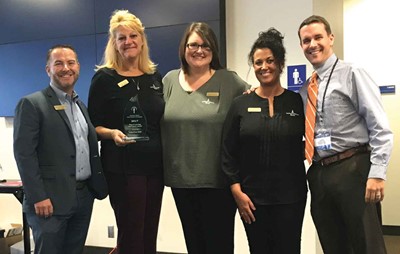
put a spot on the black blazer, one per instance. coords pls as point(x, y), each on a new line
point(44, 149)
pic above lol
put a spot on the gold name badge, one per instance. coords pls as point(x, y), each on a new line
point(253, 110)
point(212, 94)
point(123, 83)
point(60, 107)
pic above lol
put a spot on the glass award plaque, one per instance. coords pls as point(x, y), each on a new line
point(134, 121)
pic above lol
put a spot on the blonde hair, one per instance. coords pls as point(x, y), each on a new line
point(112, 58)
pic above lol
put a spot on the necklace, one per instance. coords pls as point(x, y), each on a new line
point(136, 83)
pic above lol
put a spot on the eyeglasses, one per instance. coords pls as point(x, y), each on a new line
point(195, 46)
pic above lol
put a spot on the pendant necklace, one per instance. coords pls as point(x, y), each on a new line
point(136, 83)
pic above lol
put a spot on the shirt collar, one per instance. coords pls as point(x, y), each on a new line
point(63, 96)
point(324, 69)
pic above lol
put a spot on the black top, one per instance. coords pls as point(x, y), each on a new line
point(265, 155)
point(108, 96)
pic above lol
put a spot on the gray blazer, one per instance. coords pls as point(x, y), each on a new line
point(44, 149)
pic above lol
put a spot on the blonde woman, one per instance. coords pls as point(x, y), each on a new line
point(133, 169)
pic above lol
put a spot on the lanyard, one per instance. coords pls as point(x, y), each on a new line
point(327, 84)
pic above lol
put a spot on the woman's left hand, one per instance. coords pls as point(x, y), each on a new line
point(119, 138)
point(244, 204)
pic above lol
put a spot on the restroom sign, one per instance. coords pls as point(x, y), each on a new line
point(296, 77)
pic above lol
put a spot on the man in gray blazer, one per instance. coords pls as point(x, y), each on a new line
point(55, 147)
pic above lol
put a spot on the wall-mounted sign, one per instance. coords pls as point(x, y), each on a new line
point(296, 76)
point(387, 89)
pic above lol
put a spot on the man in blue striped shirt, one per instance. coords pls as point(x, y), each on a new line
point(352, 144)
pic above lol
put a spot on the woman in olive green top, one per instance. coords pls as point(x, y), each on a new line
point(197, 98)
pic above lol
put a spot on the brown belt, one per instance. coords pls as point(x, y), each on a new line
point(344, 155)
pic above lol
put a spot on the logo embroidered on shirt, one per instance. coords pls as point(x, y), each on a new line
point(208, 102)
point(154, 87)
point(292, 113)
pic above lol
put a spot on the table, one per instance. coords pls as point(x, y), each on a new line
point(15, 187)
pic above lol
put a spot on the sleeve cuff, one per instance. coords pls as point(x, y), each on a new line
point(377, 171)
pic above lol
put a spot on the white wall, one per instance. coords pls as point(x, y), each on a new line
point(10, 208)
point(371, 39)
point(245, 19)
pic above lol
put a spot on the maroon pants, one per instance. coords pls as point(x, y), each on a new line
point(136, 201)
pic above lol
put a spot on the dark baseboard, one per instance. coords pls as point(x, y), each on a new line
point(86, 250)
point(391, 230)
point(105, 250)
point(96, 250)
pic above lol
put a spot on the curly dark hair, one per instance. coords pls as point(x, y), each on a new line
point(273, 40)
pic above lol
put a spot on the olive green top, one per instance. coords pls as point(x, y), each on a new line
point(192, 128)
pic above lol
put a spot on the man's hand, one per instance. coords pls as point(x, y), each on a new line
point(374, 191)
point(250, 90)
point(44, 208)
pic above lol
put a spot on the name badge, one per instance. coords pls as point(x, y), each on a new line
point(254, 110)
point(123, 83)
point(322, 140)
point(60, 107)
point(212, 94)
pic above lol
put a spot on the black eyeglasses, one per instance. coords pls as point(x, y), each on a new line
point(195, 46)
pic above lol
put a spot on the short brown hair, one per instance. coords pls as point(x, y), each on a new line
point(60, 46)
point(315, 19)
point(208, 36)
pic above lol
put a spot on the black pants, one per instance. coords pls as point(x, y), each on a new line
point(277, 229)
point(208, 219)
point(344, 222)
point(136, 201)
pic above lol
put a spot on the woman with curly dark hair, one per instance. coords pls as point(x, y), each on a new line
point(263, 154)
